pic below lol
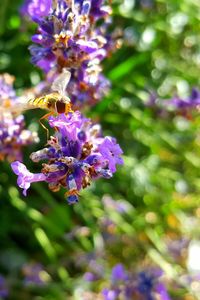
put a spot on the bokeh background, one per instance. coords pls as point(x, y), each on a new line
point(148, 215)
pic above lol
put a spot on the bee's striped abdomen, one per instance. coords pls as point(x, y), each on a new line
point(52, 102)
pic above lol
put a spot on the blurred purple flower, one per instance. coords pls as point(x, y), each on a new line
point(7, 93)
point(176, 104)
point(13, 135)
point(147, 4)
point(89, 276)
point(36, 8)
point(34, 274)
point(4, 292)
point(146, 281)
point(118, 273)
point(191, 102)
point(120, 206)
point(178, 247)
point(145, 285)
point(110, 294)
point(162, 291)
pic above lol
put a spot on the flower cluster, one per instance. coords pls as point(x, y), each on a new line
point(73, 34)
point(13, 135)
point(34, 274)
point(75, 156)
point(145, 285)
point(176, 104)
point(190, 102)
point(4, 292)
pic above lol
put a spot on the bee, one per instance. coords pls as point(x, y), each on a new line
point(55, 102)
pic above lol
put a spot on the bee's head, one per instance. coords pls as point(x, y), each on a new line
point(60, 107)
point(63, 105)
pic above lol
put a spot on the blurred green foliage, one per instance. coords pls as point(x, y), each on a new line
point(159, 181)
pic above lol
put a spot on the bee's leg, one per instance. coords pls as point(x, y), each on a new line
point(45, 117)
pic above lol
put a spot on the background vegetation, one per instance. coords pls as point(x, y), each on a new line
point(158, 186)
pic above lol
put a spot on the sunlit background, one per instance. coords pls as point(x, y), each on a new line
point(147, 216)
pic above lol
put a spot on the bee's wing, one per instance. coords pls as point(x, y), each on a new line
point(14, 109)
point(60, 83)
point(21, 105)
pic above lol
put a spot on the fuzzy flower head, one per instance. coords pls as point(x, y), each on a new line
point(7, 93)
point(176, 105)
point(74, 157)
point(70, 36)
point(35, 275)
point(144, 285)
point(13, 135)
point(4, 292)
point(66, 35)
point(192, 101)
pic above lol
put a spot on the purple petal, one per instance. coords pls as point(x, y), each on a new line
point(87, 46)
point(25, 178)
point(118, 273)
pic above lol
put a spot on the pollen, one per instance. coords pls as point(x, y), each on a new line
point(62, 38)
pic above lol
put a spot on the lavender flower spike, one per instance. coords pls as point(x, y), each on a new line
point(4, 292)
point(75, 156)
point(73, 35)
point(13, 135)
point(34, 274)
point(145, 285)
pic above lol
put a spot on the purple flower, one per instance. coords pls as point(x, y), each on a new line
point(111, 151)
point(36, 8)
point(145, 282)
point(3, 288)
point(34, 274)
point(25, 178)
point(89, 276)
point(119, 206)
point(7, 92)
point(70, 36)
point(110, 294)
point(178, 103)
point(175, 105)
point(13, 135)
point(65, 32)
point(87, 47)
point(73, 157)
point(162, 291)
point(118, 273)
point(146, 285)
point(148, 282)
point(176, 247)
point(192, 101)
point(68, 125)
